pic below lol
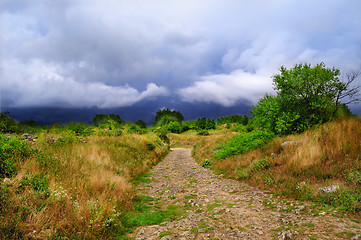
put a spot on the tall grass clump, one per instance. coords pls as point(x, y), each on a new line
point(73, 187)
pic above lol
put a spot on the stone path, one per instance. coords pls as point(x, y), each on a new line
point(219, 208)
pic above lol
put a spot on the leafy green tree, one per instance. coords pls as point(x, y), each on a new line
point(171, 114)
point(205, 124)
point(305, 96)
point(79, 128)
point(104, 118)
point(7, 123)
point(175, 127)
point(141, 124)
point(242, 119)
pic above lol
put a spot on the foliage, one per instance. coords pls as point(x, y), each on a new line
point(12, 151)
point(175, 127)
point(7, 123)
point(205, 123)
point(203, 132)
point(141, 124)
point(80, 129)
point(206, 163)
point(36, 181)
point(168, 116)
point(306, 96)
point(233, 119)
point(242, 143)
point(348, 199)
point(104, 118)
point(132, 128)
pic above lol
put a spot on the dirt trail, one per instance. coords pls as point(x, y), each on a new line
point(220, 208)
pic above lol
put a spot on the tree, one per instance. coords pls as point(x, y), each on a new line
point(165, 116)
point(305, 96)
point(233, 119)
point(104, 118)
point(141, 124)
point(205, 124)
point(7, 123)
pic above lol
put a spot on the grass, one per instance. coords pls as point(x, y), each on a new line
point(66, 186)
point(329, 154)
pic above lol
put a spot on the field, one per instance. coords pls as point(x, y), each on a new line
point(67, 186)
point(64, 184)
point(296, 166)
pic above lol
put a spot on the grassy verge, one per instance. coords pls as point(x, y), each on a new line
point(327, 155)
point(66, 186)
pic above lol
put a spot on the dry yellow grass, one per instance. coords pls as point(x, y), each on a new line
point(88, 185)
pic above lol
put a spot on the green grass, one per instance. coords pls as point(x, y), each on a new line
point(242, 143)
point(145, 211)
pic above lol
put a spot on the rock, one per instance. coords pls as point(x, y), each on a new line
point(286, 235)
point(329, 189)
point(289, 143)
point(26, 136)
point(7, 180)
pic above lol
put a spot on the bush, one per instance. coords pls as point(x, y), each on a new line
point(242, 143)
point(7, 124)
point(260, 165)
point(37, 182)
point(80, 129)
point(206, 163)
point(203, 133)
point(175, 127)
point(205, 123)
point(11, 151)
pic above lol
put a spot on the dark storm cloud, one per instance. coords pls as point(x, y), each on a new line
point(111, 53)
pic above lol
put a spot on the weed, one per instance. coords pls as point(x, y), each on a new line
point(347, 199)
point(12, 151)
point(163, 234)
point(203, 133)
point(241, 174)
point(36, 181)
point(260, 165)
point(206, 163)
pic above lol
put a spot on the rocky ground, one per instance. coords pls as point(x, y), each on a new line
point(219, 208)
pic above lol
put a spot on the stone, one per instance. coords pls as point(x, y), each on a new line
point(286, 235)
point(329, 189)
point(289, 143)
point(7, 180)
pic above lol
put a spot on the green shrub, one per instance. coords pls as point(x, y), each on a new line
point(260, 165)
point(80, 129)
point(36, 181)
point(206, 163)
point(203, 133)
point(175, 127)
point(347, 199)
point(8, 124)
point(11, 151)
point(242, 143)
point(241, 174)
point(150, 146)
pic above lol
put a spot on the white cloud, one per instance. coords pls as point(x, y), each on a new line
point(227, 90)
point(42, 84)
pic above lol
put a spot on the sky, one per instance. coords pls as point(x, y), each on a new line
point(204, 57)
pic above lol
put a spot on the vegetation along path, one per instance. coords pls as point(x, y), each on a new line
point(219, 208)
